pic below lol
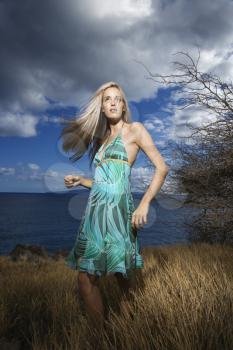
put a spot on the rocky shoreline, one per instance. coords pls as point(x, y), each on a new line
point(34, 253)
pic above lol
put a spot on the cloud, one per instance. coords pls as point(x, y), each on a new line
point(63, 50)
point(181, 119)
point(50, 180)
point(141, 177)
point(23, 125)
point(127, 9)
point(154, 123)
point(7, 171)
point(51, 173)
point(50, 119)
point(33, 167)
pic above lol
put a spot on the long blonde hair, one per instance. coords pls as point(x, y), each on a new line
point(91, 127)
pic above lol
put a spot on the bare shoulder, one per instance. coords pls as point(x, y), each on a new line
point(135, 125)
point(134, 132)
point(134, 129)
point(138, 130)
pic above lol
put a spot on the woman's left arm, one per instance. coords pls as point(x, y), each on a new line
point(146, 143)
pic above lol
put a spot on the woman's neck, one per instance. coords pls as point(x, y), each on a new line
point(115, 130)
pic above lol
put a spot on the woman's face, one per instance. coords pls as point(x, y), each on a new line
point(112, 104)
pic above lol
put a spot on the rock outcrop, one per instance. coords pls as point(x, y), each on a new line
point(31, 253)
point(34, 253)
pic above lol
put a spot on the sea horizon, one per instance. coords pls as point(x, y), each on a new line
point(52, 219)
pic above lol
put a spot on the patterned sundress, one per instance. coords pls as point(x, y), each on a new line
point(107, 242)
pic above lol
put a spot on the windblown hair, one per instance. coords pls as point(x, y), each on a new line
point(91, 128)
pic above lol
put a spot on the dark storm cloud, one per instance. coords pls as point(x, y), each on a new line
point(64, 50)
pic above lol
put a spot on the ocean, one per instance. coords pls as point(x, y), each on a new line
point(52, 220)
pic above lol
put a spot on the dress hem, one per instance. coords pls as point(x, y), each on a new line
point(101, 273)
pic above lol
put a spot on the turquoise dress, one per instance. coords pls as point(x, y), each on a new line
point(106, 241)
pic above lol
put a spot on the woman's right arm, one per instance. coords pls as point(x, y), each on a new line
point(73, 181)
point(86, 182)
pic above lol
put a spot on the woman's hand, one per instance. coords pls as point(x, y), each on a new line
point(139, 216)
point(73, 180)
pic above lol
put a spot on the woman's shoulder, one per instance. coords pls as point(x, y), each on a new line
point(135, 128)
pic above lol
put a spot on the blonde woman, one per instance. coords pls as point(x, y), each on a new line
point(107, 241)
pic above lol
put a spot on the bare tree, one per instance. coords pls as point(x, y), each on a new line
point(206, 170)
point(197, 88)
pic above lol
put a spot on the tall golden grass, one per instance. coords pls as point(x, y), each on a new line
point(183, 300)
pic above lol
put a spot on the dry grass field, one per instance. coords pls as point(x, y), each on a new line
point(183, 300)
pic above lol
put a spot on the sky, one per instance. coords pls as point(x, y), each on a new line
point(55, 55)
